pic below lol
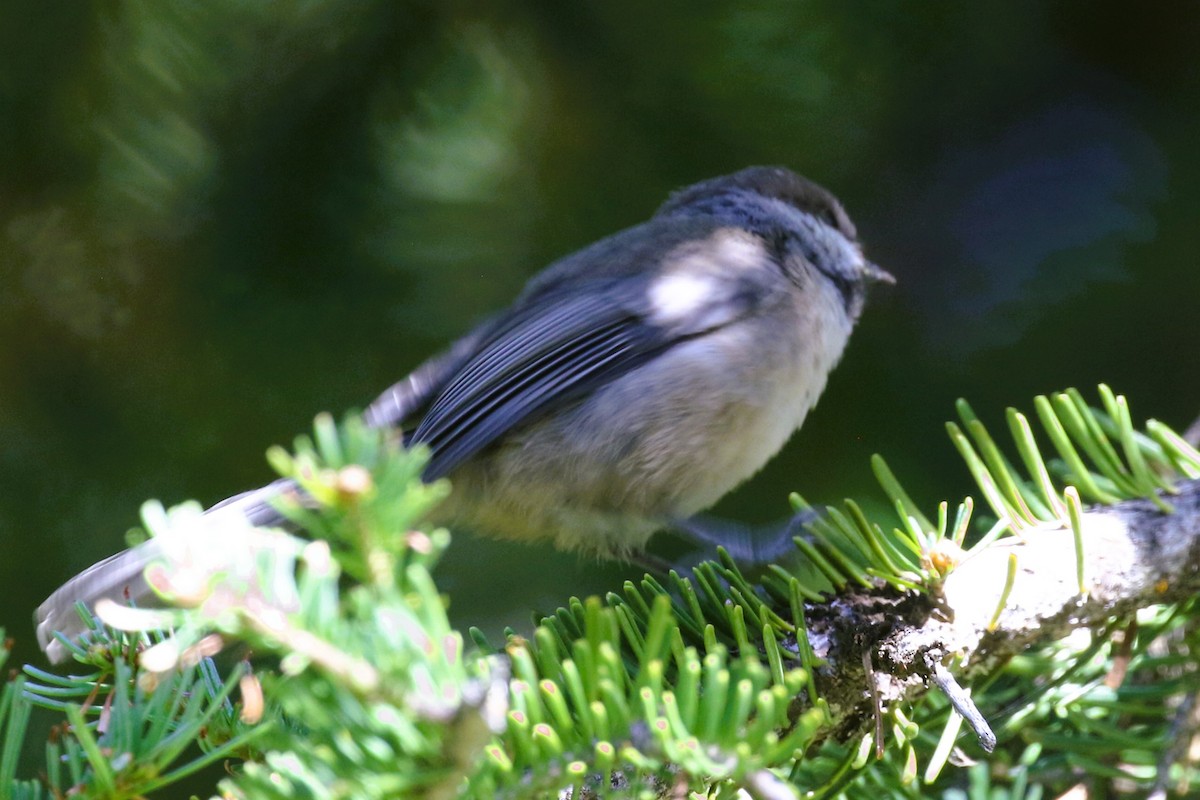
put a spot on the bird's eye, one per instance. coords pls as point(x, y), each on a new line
point(778, 243)
point(845, 287)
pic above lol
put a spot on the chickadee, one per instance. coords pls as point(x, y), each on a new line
point(629, 387)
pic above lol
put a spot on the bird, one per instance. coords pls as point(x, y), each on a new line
point(628, 387)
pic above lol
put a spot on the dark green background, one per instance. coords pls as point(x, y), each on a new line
point(219, 218)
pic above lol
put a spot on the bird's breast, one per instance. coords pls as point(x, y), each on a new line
point(724, 404)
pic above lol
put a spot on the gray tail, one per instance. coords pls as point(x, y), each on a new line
point(120, 577)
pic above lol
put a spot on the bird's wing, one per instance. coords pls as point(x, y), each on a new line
point(541, 356)
point(401, 401)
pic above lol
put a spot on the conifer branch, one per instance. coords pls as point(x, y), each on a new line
point(706, 683)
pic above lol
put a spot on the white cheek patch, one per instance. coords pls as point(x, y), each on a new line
point(699, 275)
point(737, 252)
point(677, 296)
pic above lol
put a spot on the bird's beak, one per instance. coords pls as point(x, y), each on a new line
point(877, 274)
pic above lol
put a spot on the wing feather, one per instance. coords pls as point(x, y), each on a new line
point(542, 356)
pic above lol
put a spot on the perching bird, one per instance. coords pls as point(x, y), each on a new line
point(629, 387)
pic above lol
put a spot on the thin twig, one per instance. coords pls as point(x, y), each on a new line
point(963, 704)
